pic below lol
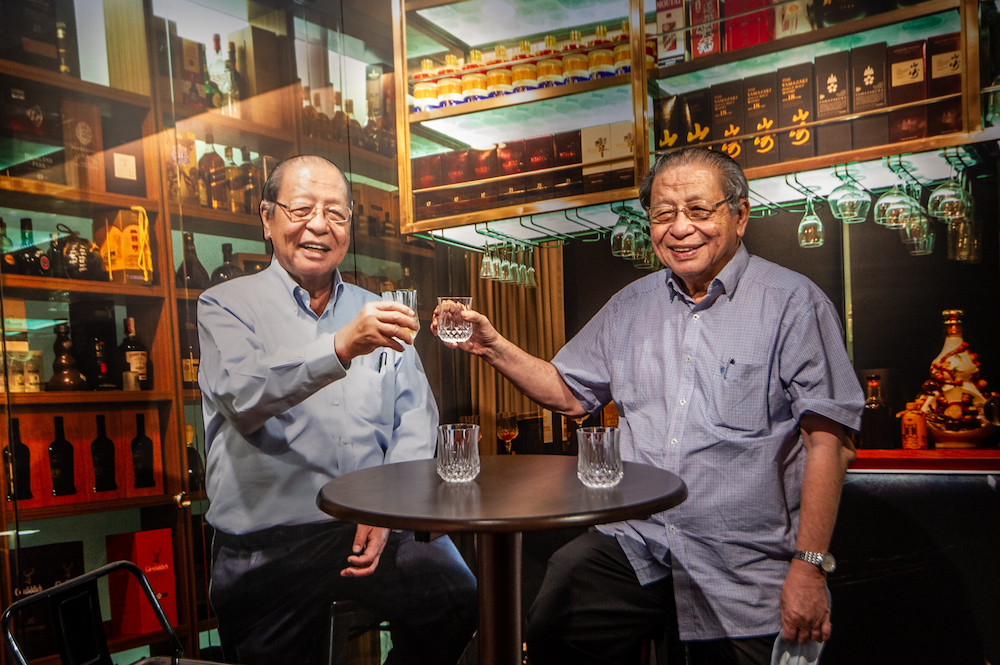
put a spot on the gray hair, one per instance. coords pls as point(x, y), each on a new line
point(269, 193)
point(733, 180)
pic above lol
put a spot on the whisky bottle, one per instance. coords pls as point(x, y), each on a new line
point(251, 183)
point(191, 274)
point(142, 455)
point(228, 270)
point(234, 181)
point(31, 259)
point(61, 462)
point(213, 188)
point(190, 356)
point(339, 121)
point(132, 356)
point(102, 455)
point(196, 467)
point(353, 126)
point(231, 101)
point(218, 77)
point(371, 134)
point(65, 375)
point(876, 431)
point(17, 464)
point(98, 365)
point(308, 113)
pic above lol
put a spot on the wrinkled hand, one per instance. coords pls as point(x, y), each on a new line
point(369, 541)
point(380, 323)
point(805, 614)
point(484, 335)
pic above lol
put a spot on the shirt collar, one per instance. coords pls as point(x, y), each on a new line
point(300, 295)
point(725, 282)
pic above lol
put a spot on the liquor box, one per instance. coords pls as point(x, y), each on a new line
point(666, 123)
point(945, 62)
point(696, 118)
point(596, 144)
point(482, 164)
point(760, 106)
point(31, 134)
point(81, 125)
point(907, 84)
point(792, 18)
point(567, 148)
point(124, 165)
point(262, 59)
point(35, 569)
point(92, 328)
point(869, 92)
point(795, 108)
point(425, 205)
point(480, 196)
point(568, 183)
point(539, 153)
point(622, 148)
point(124, 242)
point(729, 106)
point(706, 34)
point(153, 552)
point(192, 74)
point(181, 166)
point(831, 74)
point(510, 157)
point(427, 171)
point(747, 27)
point(670, 27)
point(833, 12)
point(169, 59)
point(455, 167)
point(510, 191)
point(539, 187)
point(28, 33)
point(128, 433)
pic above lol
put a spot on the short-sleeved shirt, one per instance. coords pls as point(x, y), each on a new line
point(714, 392)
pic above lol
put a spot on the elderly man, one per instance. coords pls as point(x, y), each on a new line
point(730, 371)
point(304, 378)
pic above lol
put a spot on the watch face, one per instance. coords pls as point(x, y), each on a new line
point(829, 564)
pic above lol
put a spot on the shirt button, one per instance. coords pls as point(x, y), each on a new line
point(336, 402)
point(673, 442)
point(682, 401)
point(673, 529)
point(687, 358)
point(695, 316)
point(343, 439)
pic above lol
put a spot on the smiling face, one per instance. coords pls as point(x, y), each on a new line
point(309, 250)
point(695, 251)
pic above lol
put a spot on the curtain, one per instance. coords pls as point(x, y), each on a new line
point(531, 318)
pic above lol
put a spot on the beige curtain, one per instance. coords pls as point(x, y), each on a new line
point(531, 318)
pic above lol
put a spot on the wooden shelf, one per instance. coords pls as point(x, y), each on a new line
point(65, 200)
point(27, 285)
point(71, 83)
point(88, 507)
point(968, 459)
point(91, 397)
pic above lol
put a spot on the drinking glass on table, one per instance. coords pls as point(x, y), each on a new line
point(451, 326)
point(458, 452)
point(507, 429)
point(599, 460)
point(406, 297)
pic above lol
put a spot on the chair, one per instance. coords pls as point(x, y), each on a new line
point(349, 621)
point(77, 628)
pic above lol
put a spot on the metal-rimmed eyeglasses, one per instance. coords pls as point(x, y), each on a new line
point(696, 211)
point(302, 212)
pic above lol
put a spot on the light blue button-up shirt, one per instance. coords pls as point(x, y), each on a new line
point(282, 415)
point(714, 391)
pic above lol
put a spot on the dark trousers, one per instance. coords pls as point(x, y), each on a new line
point(272, 590)
point(591, 609)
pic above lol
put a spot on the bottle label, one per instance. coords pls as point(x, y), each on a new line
point(189, 370)
point(136, 361)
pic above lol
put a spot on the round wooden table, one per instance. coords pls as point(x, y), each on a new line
point(512, 494)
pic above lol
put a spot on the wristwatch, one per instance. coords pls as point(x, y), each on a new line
point(824, 561)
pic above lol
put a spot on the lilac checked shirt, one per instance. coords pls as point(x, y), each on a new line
point(713, 392)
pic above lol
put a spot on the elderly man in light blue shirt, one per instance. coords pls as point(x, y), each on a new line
point(305, 378)
point(730, 371)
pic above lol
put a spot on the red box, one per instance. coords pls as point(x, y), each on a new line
point(747, 27)
point(153, 552)
point(455, 167)
point(510, 158)
point(539, 153)
point(706, 37)
point(427, 171)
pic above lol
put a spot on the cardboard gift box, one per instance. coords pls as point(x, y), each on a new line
point(510, 157)
point(833, 100)
point(670, 26)
point(907, 65)
point(666, 123)
point(125, 244)
point(35, 569)
point(706, 32)
point(696, 118)
point(596, 151)
point(761, 110)
point(153, 552)
point(796, 108)
point(944, 58)
point(869, 92)
point(729, 118)
point(539, 153)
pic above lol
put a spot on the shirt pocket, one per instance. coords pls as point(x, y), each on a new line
point(368, 395)
point(736, 395)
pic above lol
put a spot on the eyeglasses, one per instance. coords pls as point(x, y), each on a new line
point(696, 211)
point(300, 212)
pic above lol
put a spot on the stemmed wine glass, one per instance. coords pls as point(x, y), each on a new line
point(811, 227)
point(849, 202)
point(488, 269)
point(507, 429)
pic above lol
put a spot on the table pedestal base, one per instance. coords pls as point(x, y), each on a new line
point(498, 556)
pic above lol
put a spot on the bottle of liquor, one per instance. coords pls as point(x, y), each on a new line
point(228, 270)
point(353, 126)
point(389, 228)
point(251, 183)
point(308, 112)
point(219, 76)
point(98, 365)
point(17, 464)
point(407, 281)
point(371, 134)
point(132, 356)
point(913, 427)
point(102, 455)
point(339, 121)
point(234, 181)
point(65, 375)
point(9, 265)
point(57, 260)
point(190, 273)
point(196, 467)
point(142, 455)
point(61, 462)
point(876, 431)
point(31, 259)
point(232, 100)
point(190, 356)
point(213, 188)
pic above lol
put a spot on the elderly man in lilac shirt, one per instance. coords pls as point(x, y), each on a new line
point(730, 371)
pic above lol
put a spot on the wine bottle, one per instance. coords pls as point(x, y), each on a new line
point(190, 356)
point(196, 467)
point(876, 430)
point(61, 462)
point(132, 356)
point(190, 273)
point(228, 270)
point(213, 188)
point(30, 258)
point(102, 455)
point(142, 455)
point(17, 463)
point(251, 183)
point(234, 181)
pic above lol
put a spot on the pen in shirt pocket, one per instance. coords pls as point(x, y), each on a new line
point(724, 370)
point(381, 361)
